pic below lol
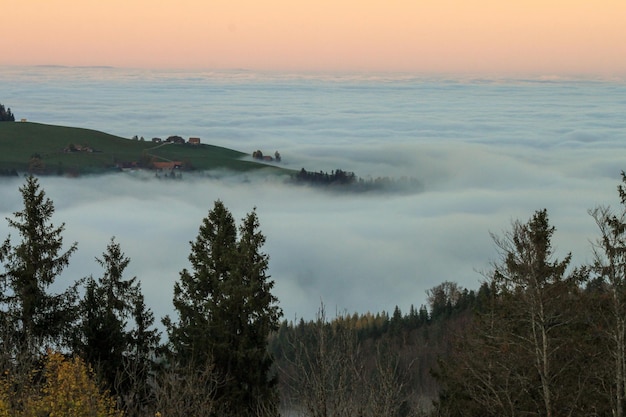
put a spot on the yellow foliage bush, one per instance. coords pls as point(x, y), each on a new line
point(4, 399)
point(69, 390)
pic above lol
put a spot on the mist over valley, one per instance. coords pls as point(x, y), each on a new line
point(485, 151)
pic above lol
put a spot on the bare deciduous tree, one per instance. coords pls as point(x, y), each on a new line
point(185, 391)
point(330, 375)
point(610, 268)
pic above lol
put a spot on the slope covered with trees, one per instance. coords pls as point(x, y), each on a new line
point(540, 337)
point(550, 341)
point(340, 180)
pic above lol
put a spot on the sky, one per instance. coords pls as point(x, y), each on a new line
point(444, 36)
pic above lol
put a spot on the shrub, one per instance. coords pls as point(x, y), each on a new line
point(68, 389)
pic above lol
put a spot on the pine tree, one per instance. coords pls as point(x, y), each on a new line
point(31, 316)
point(197, 294)
point(538, 293)
point(258, 316)
point(115, 333)
point(140, 356)
point(226, 312)
point(521, 354)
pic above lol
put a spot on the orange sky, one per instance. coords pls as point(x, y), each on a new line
point(476, 36)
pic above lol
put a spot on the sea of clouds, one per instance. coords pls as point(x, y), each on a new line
point(487, 151)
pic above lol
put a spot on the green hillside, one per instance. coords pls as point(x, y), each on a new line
point(54, 149)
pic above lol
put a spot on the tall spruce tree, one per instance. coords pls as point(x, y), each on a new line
point(226, 312)
point(32, 317)
point(522, 354)
point(531, 280)
point(115, 333)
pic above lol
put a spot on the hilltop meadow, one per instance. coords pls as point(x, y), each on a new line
point(61, 150)
point(43, 149)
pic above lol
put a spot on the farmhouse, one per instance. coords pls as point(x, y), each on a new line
point(175, 139)
point(194, 141)
point(259, 155)
point(167, 165)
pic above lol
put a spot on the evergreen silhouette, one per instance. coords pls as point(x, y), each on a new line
point(226, 312)
point(34, 318)
point(6, 115)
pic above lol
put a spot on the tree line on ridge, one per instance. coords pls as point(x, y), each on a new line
point(5, 114)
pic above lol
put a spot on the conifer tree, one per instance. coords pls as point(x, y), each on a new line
point(521, 356)
point(258, 315)
point(226, 312)
point(115, 333)
point(6, 115)
point(32, 317)
point(139, 363)
point(197, 294)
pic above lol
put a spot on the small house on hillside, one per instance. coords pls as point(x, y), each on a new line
point(167, 165)
point(259, 155)
point(175, 139)
point(194, 141)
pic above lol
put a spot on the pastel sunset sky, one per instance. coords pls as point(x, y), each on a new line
point(455, 36)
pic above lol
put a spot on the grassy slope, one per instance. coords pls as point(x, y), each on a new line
point(20, 140)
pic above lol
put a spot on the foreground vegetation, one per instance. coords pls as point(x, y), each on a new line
point(215, 360)
point(540, 336)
